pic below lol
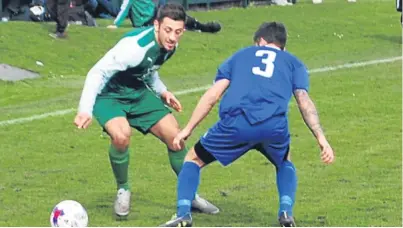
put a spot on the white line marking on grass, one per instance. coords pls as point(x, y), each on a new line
point(192, 90)
point(36, 117)
point(354, 65)
point(202, 88)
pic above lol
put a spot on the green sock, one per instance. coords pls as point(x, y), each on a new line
point(176, 159)
point(120, 165)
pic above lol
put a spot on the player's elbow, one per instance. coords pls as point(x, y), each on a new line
point(217, 90)
point(94, 74)
point(301, 96)
point(210, 98)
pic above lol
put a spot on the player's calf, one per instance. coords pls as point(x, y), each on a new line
point(120, 131)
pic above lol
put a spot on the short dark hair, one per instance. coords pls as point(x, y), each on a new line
point(272, 32)
point(173, 11)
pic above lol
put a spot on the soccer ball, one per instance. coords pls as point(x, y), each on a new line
point(69, 213)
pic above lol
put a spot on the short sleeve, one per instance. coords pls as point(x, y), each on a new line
point(300, 78)
point(224, 70)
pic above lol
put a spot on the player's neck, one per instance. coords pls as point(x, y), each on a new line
point(272, 45)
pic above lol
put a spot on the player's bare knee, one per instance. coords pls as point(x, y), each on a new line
point(121, 141)
point(288, 158)
point(191, 156)
point(120, 132)
point(169, 143)
point(168, 139)
point(166, 130)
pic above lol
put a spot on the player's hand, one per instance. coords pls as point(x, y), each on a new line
point(82, 120)
point(170, 99)
point(179, 140)
point(326, 153)
point(112, 27)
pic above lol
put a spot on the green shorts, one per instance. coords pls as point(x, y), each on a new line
point(142, 110)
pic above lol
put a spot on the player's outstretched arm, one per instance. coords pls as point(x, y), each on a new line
point(311, 118)
point(206, 103)
point(115, 60)
point(93, 84)
point(161, 90)
point(308, 112)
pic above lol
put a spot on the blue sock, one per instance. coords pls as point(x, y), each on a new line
point(287, 186)
point(188, 182)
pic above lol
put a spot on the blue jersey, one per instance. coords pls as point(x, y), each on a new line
point(262, 81)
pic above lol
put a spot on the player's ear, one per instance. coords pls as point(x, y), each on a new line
point(156, 25)
point(261, 42)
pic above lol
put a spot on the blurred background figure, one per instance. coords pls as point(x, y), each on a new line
point(143, 12)
point(59, 11)
point(283, 2)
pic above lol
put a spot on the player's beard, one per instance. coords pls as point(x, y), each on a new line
point(159, 38)
point(161, 42)
point(172, 46)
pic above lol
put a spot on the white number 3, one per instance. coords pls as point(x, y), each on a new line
point(267, 60)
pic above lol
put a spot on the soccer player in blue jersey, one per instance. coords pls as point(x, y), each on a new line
point(258, 82)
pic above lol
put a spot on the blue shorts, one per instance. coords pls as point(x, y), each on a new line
point(233, 136)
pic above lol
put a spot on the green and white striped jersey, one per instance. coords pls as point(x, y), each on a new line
point(130, 65)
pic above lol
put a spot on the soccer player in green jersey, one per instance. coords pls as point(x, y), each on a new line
point(123, 91)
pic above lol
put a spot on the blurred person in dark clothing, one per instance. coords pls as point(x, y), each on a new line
point(59, 11)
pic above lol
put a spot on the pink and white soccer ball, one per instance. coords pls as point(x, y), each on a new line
point(69, 213)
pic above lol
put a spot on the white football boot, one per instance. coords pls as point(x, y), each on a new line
point(122, 202)
point(204, 206)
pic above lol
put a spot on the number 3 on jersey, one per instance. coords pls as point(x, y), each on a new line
point(267, 59)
